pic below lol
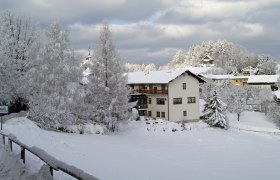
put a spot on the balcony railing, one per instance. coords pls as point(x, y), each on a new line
point(142, 106)
point(150, 91)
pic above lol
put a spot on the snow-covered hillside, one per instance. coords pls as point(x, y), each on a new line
point(142, 150)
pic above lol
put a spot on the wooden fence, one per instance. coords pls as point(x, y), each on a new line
point(53, 163)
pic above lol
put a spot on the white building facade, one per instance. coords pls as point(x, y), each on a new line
point(171, 95)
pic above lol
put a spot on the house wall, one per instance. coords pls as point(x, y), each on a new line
point(261, 86)
point(239, 81)
point(154, 107)
point(176, 91)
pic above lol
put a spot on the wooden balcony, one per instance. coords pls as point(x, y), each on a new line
point(150, 91)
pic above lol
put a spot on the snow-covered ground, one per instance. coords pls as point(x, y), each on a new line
point(11, 168)
point(151, 150)
point(253, 121)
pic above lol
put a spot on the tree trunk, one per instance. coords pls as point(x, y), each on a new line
point(238, 116)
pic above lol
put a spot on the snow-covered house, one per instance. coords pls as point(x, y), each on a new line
point(263, 81)
point(249, 71)
point(222, 79)
point(171, 95)
point(240, 80)
point(218, 79)
point(207, 60)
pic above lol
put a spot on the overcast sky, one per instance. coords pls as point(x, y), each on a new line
point(150, 31)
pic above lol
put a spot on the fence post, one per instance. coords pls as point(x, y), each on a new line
point(22, 154)
point(11, 145)
point(3, 139)
point(51, 170)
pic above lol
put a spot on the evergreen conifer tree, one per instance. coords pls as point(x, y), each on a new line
point(106, 91)
point(214, 113)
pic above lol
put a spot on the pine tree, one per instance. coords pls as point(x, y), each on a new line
point(214, 113)
point(106, 91)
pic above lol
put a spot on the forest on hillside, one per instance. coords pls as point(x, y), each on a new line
point(229, 58)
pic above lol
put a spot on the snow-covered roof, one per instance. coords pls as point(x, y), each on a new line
point(157, 77)
point(240, 77)
point(223, 77)
point(249, 68)
point(217, 77)
point(207, 58)
point(263, 78)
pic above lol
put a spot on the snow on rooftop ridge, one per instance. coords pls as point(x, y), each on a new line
point(156, 77)
point(216, 77)
point(161, 77)
point(263, 78)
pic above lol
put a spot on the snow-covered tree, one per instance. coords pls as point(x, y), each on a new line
point(207, 89)
point(177, 60)
point(214, 111)
point(265, 97)
point(52, 82)
point(130, 67)
point(266, 65)
point(107, 94)
point(17, 38)
point(237, 96)
point(274, 113)
point(150, 67)
point(216, 71)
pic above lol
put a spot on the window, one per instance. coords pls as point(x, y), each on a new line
point(177, 100)
point(160, 101)
point(158, 114)
point(132, 86)
point(191, 99)
point(163, 114)
point(150, 113)
point(184, 113)
point(184, 85)
point(150, 101)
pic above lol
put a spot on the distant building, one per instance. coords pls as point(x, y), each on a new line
point(263, 81)
point(207, 60)
point(84, 63)
point(222, 79)
point(249, 71)
point(171, 95)
point(253, 105)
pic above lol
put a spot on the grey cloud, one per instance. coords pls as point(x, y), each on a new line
point(151, 31)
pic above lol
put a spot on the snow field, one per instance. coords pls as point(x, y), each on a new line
point(136, 153)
